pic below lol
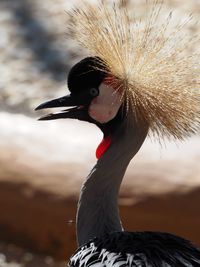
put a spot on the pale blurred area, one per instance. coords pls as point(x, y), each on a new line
point(42, 164)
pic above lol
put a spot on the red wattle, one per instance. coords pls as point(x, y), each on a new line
point(103, 146)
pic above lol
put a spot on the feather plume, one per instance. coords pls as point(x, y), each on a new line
point(150, 60)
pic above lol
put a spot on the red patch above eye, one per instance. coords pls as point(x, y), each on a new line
point(109, 80)
point(114, 83)
point(103, 146)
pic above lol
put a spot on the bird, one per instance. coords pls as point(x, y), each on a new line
point(136, 81)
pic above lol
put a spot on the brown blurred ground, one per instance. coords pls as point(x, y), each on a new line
point(40, 171)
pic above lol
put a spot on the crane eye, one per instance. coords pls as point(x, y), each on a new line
point(94, 92)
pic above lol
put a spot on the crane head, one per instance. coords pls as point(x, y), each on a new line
point(139, 67)
point(95, 96)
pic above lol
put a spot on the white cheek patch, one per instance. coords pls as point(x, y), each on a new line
point(105, 106)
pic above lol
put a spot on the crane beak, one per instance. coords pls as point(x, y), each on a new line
point(78, 108)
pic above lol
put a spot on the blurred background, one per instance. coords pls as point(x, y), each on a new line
point(42, 164)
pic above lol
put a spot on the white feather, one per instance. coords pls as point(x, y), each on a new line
point(103, 258)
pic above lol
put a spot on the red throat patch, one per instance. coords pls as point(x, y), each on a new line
point(103, 146)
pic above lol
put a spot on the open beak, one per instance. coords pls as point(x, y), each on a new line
point(78, 108)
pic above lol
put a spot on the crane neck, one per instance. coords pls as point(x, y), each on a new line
point(98, 204)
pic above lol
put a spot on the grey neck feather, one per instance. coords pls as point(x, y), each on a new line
point(98, 204)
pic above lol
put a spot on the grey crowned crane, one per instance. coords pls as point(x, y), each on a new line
point(137, 80)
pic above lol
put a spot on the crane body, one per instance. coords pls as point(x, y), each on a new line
point(135, 82)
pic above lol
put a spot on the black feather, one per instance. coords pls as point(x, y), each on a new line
point(148, 249)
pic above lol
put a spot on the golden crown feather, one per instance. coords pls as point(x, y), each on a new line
point(150, 59)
